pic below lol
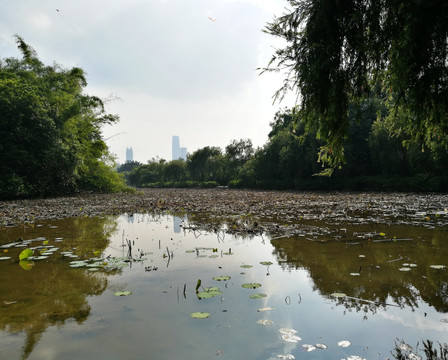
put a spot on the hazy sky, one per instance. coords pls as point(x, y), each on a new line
point(170, 69)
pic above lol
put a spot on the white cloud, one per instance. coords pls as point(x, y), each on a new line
point(178, 72)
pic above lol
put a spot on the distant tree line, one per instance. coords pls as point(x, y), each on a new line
point(50, 131)
point(374, 160)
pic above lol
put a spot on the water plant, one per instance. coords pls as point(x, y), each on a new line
point(200, 315)
point(25, 254)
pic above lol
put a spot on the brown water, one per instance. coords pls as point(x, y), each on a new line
point(50, 310)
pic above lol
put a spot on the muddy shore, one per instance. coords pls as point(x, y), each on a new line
point(229, 202)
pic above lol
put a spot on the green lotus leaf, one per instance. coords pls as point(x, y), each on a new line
point(222, 278)
point(25, 254)
point(200, 315)
point(258, 296)
point(209, 293)
point(251, 285)
point(246, 266)
point(265, 263)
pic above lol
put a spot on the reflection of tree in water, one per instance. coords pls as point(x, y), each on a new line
point(51, 292)
point(380, 282)
point(331, 262)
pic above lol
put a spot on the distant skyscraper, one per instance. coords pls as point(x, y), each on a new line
point(183, 153)
point(177, 151)
point(129, 154)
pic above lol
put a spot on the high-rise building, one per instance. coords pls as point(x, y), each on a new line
point(175, 145)
point(129, 154)
point(177, 151)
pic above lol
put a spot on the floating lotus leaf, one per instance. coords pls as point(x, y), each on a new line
point(200, 315)
point(95, 265)
point(222, 278)
point(25, 254)
point(265, 263)
point(258, 296)
point(309, 347)
point(336, 294)
point(123, 293)
point(41, 257)
point(209, 293)
point(251, 285)
point(291, 338)
point(344, 343)
point(285, 331)
point(267, 308)
point(78, 264)
point(437, 266)
point(246, 266)
point(286, 357)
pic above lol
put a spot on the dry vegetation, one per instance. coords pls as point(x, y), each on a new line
point(283, 206)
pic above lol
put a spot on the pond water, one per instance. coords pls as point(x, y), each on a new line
point(372, 284)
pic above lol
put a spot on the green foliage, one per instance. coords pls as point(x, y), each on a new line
point(50, 131)
point(338, 53)
point(25, 254)
point(375, 160)
point(205, 164)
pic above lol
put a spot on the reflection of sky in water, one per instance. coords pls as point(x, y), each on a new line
point(154, 322)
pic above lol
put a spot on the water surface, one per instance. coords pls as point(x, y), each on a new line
point(50, 310)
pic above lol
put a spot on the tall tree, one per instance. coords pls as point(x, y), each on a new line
point(337, 52)
point(50, 130)
point(205, 164)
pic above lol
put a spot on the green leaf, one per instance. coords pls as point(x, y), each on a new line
point(209, 293)
point(198, 284)
point(25, 254)
point(200, 315)
point(222, 278)
point(251, 285)
point(258, 296)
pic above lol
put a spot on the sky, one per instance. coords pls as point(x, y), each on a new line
point(165, 67)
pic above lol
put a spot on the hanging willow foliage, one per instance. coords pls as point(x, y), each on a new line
point(337, 53)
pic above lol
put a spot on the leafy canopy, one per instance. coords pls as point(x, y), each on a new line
point(50, 131)
point(338, 52)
